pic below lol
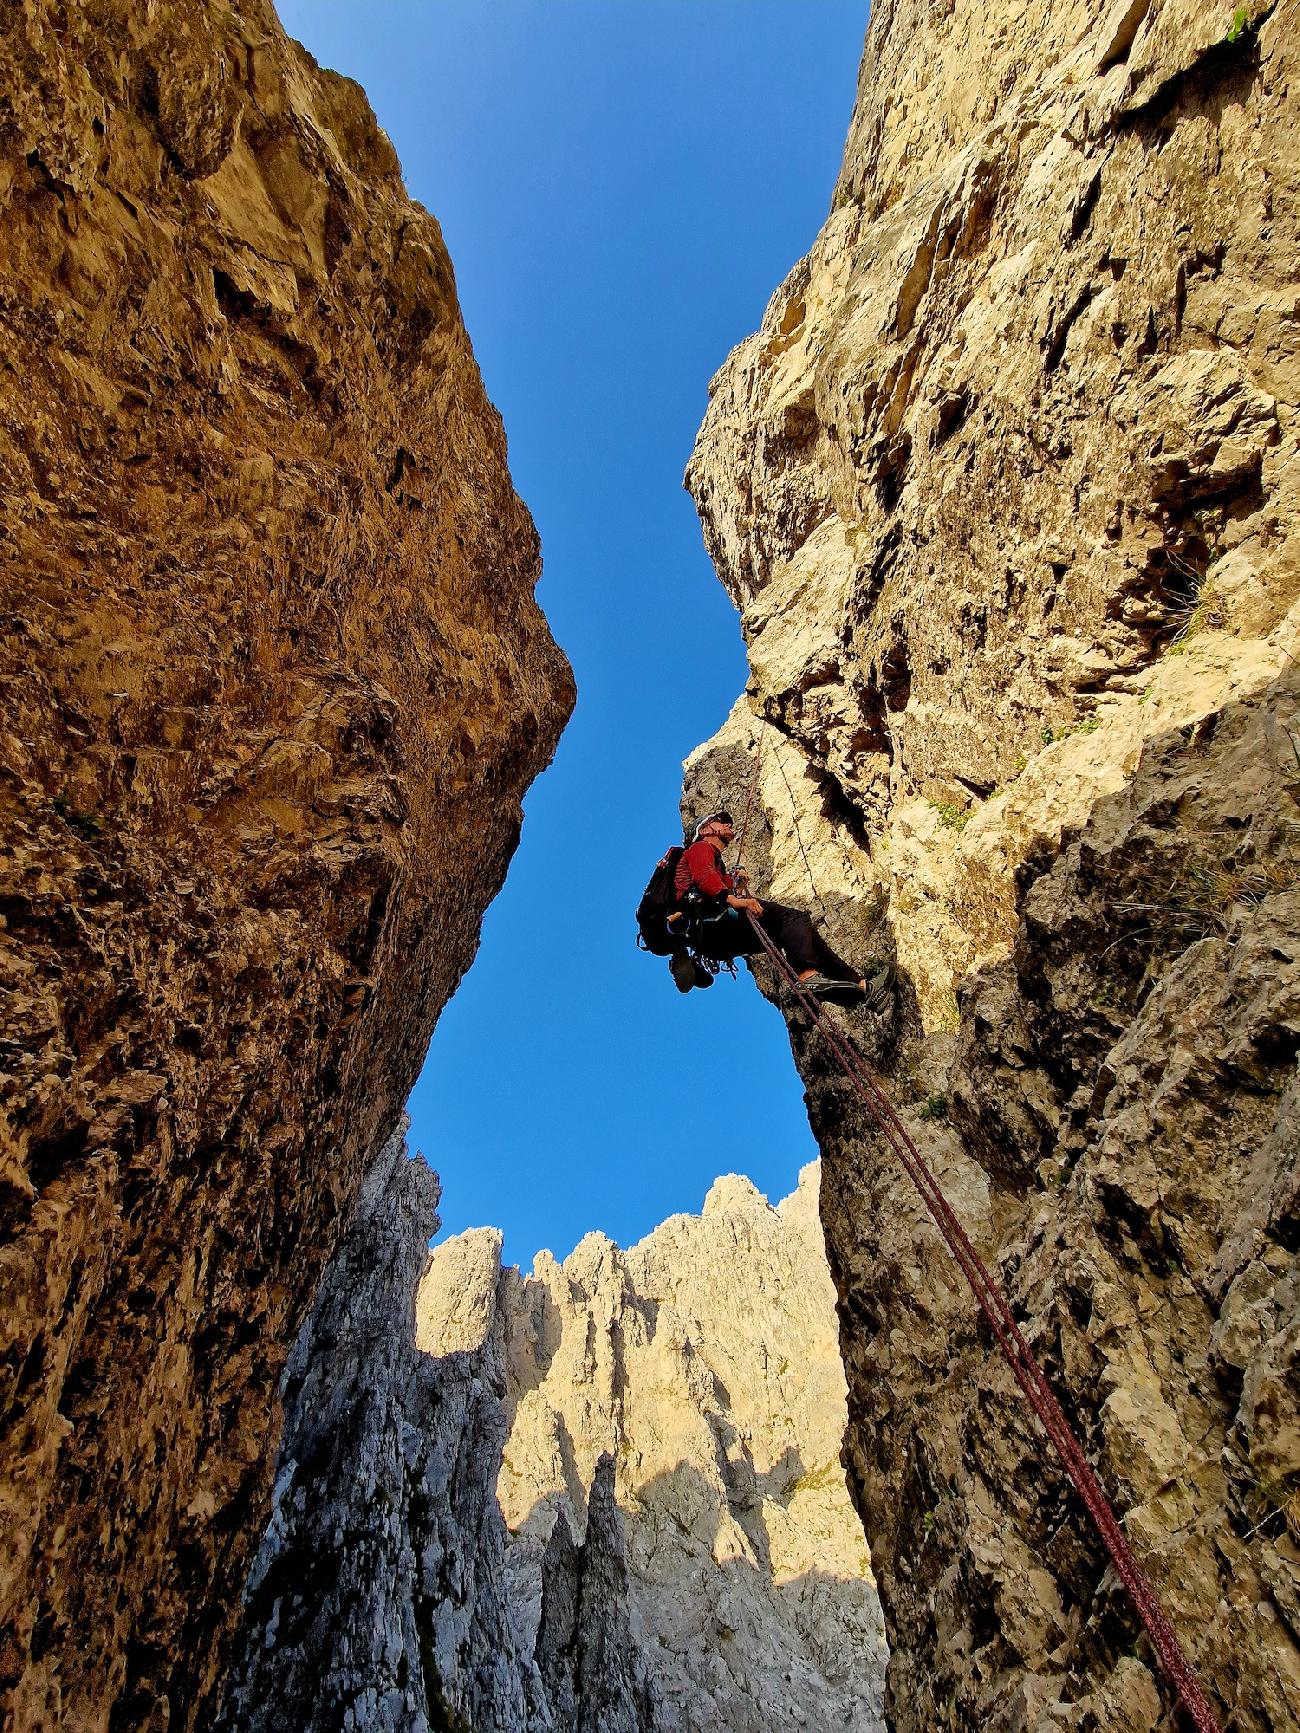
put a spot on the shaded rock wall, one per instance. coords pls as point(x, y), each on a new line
point(1005, 489)
point(380, 1587)
point(701, 1365)
point(271, 663)
point(587, 1648)
point(382, 1596)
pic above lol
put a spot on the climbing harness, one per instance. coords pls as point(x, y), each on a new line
point(1020, 1357)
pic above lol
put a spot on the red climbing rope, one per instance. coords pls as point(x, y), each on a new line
point(1020, 1357)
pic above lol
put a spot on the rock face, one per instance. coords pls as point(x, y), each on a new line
point(694, 1378)
point(1006, 490)
point(586, 1646)
point(381, 1576)
point(381, 1597)
point(271, 660)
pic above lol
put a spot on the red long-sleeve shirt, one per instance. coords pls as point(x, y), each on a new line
point(701, 865)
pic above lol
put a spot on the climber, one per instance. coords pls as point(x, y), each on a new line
point(710, 916)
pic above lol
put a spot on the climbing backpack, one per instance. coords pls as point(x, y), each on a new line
point(658, 902)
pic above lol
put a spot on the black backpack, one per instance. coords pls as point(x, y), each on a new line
point(657, 902)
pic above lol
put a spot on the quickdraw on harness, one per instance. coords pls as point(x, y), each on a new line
point(996, 1308)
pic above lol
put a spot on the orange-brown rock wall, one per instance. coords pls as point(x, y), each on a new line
point(272, 671)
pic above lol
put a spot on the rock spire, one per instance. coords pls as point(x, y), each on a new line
point(661, 1426)
point(695, 1378)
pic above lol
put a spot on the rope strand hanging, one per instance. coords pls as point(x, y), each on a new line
point(832, 926)
point(1019, 1356)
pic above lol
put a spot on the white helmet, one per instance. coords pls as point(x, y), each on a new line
point(721, 817)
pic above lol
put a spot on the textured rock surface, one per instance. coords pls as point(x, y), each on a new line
point(380, 1585)
point(270, 659)
point(381, 1597)
point(704, 1361)
point(587, 1649)
point(1006, 491)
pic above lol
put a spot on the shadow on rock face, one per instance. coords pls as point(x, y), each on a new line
point(1118, 1137)
point(739, 1647)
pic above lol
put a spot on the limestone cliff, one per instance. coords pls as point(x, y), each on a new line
point(382, 1597)
point(382, 1572)
point(270, 660)
point(703, 1360)
point(1006, 490)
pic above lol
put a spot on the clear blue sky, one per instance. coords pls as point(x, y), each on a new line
point(622, 185)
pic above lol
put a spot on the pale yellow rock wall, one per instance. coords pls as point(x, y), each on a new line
point(1006, 490)
point(705, 1360)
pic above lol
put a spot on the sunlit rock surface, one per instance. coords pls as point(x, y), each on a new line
point(704, 1360)
point(1005, 489)
point(270, 667)
point(604, 1498)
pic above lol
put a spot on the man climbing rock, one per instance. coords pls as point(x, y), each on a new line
point(712, 905)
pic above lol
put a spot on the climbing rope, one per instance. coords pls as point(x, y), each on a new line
point(1020, 1357)
point(833, 927)
point(803, 852)
point(749, 798)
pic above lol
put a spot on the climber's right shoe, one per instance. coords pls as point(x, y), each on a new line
point(703, 974)
point(682, 970)
point(880, 987)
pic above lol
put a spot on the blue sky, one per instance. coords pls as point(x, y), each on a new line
point(622, 185)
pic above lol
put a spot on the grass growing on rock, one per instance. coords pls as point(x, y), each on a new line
point(1064, 730)
point(1206, 613)
point(1203, 893)
point(951, 815)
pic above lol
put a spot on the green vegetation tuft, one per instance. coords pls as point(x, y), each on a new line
point(1205, 614)
point(1240, 26)
point(817, 1479)
point(1064, 730)
point(950, 814)
point(1201, 894)
point(935, 1107)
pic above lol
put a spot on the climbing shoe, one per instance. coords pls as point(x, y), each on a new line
point(833, 992)
point(880, 987)
point(682, 970)
point(703, 974)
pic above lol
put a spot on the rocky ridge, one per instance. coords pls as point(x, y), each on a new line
point(678, 1408)
point(381, 1597)
point(270, 657)
point(703, 1362)
point(1006, 491)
